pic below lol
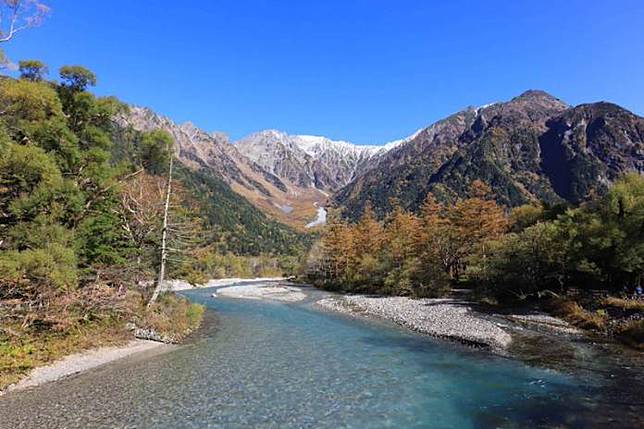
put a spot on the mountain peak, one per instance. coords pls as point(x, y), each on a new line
point(538, 95)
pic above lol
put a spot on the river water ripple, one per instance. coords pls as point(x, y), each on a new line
point(278, 365)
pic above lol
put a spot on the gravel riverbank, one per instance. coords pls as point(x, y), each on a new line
point(277, 292)
point(80, 362)
point(437, 317)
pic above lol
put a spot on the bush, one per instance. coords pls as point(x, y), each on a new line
point(172, 317)
point(624, 304)
point(578, 316)
point(33, 270)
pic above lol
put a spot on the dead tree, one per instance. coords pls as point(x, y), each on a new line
point(18, 15)
point(164, 237)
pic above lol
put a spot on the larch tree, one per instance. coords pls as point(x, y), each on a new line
point(402, 235)
point(436, 237)
point(369, 234)
point(476, 219)
point(334, 248)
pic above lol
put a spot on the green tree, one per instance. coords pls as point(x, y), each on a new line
point(155, 150)
point(77, 78)
point(32, 70)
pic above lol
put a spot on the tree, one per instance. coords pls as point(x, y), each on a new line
point(401, 234)
point(32, 70)
point(334, 250)
point(526, 264)
point(164, 237)
point(525, 216)
point(77, 78)
point(19, 15)
point(476, 220)
point(369, 232)
point(141, 209)
point(155, 151)
point(16, 16)
point(24, 101)
point(438, 238)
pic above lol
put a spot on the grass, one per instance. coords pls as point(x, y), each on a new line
point(578, 316)
point(624, 304)
point(172, 316)
point(19, 354)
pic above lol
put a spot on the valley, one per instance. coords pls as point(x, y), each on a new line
point(534, 147)
point(224, 218)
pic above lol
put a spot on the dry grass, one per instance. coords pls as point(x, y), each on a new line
point(20, 353)
point(578, 316)
point(81, 320)
point(624, 304)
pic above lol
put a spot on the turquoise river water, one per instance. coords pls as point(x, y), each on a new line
point(277, 365)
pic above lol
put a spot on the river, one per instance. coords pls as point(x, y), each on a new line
point(320, 217)
point(287, 365)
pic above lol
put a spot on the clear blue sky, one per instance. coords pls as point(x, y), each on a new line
point(365, 71)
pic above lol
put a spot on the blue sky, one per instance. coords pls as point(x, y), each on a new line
point(365, 71)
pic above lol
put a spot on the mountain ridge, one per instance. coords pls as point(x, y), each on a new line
point(309, 160)
point(533, 147)
point(515, 147)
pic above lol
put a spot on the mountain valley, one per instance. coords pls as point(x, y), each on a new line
point(534, 147)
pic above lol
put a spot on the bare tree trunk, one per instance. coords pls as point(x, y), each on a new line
point(164, 236)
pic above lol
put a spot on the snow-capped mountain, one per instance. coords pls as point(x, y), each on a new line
point(313, 161)
point(274, 194)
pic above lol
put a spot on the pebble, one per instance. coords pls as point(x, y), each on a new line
point(440, 318)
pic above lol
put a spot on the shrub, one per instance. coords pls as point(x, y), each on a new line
point(172, 317)
point(578, 316)
point(624, 304)
point(34, 269)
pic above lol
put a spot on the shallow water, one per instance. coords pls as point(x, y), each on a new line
point(267, 364)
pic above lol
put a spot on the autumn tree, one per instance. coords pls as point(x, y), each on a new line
point(401, 235)
point(335, 248)
point(141, 210)
point(437, 239)
point(476, 220)
point(369, 237)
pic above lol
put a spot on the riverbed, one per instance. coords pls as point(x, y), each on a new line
point(281, 364)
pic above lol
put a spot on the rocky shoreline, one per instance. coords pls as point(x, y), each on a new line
point(441, 318)
point(83, 361)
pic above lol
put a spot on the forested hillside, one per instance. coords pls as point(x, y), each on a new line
point(235, 224)
point(81, 211)
point(231, 223)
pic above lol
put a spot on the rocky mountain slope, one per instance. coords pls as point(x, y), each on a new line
point(533, 147)
point(310, 161)
point(212, 153)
